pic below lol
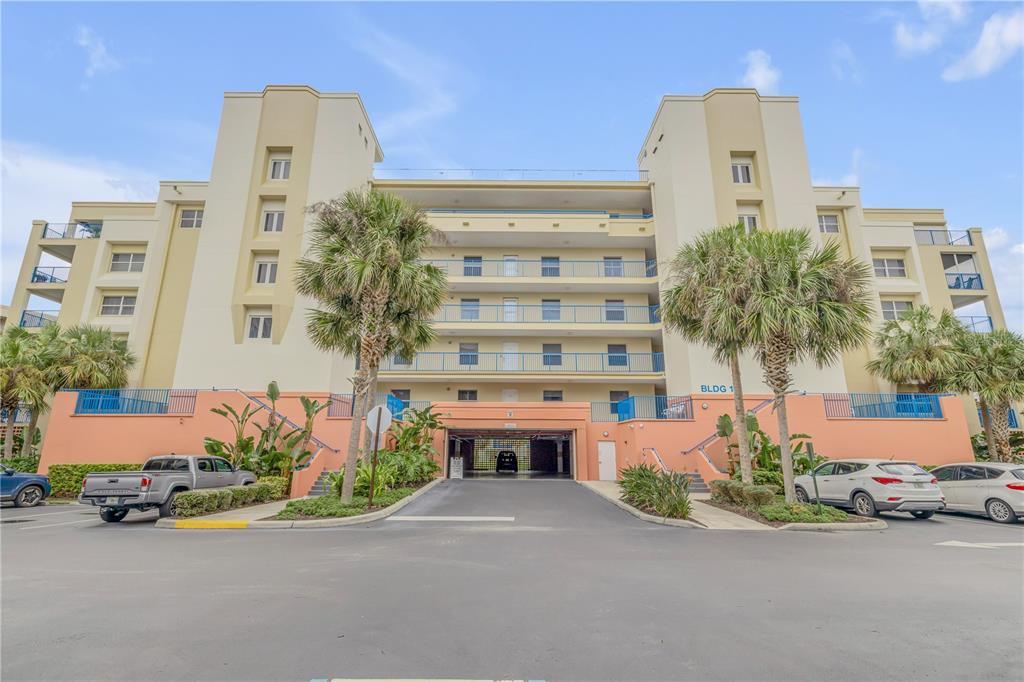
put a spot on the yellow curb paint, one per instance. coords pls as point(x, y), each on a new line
point(200, 523)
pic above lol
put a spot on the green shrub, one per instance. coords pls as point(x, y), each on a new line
point(190, 503)
point(224, 499)
point(240, 494)
point(758, 495)
point(801, 513)
point(638, 485)
point(278, 486)
point(666, 493)
point(763, 477)
point(728, 491)
point(66, 479)
point(262, 492)
point(209, 501)
point(328, 506)
point(25, 465)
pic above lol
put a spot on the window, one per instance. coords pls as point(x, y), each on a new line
point(616, 396)
point(467, 394)
point(904, 469)
point(748, 220)
point(944, 473)
point(892, 310)
point(825, 469)
point(468, 354)
point(617, 355)
point(280, 167)
point(828, 223)
point(971, 473)
point(848, 468)
point(958, 262)
point(260, 324)
point(472, 266)
point(273, 221)
point(551, 310)
point(890, 267)
point(552, 396)
point(127, 262)
point(205, 465)
point(266, 271)
point(614, 310)
point(552, 354)
point(222, 466)
point(403, 394)
point(550, 266)
point(742, 170)
point(613, 266)
point(118, 305)
point(191, 217)
point(166, 464)
point(510, 309)
point(469, 309)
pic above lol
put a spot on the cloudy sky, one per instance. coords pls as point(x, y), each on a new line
point(919, 103)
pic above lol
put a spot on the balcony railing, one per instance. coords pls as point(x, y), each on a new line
point(981, 324)
point(37, 318)
point(963, 280)
point(882, 406)
point(643, 407)
point(340, 405)
point(546, 268)
point(135, 401)
point(944, 237)
point(529, 363)
point(72, 230)
point(1011, 418)
point(22, 415)
point(592, 175)
point(50, 275)
point(563, 314)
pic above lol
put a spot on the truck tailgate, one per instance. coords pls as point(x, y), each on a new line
point(114, 483)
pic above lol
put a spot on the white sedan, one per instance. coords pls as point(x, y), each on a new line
point(868, 486)
point(995, 489)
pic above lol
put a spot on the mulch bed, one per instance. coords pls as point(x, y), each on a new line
point(754, 516)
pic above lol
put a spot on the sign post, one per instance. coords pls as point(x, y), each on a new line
point(378, 421)
point(810, 457)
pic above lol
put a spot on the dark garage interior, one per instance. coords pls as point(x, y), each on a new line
point(512, 454)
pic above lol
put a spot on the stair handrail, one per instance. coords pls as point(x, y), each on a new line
point(657, 456)
point(289, 422)
point(710, 439)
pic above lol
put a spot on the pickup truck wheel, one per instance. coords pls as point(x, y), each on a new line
point(167, 508)
point(113, 515)
point(30, 496)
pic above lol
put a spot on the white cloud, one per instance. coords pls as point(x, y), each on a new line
point(38, 185)
point(953, 11)
point(761, 74)
point(911, 40)
point(99, 59)
point(845, 65)
point(1001, 38)
point(938, 17)
point(849, 179)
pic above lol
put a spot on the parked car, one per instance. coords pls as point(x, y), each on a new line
point(24, 490)
point(868, 486)
point(995, 489)
point(157, 484)
point(507, 462)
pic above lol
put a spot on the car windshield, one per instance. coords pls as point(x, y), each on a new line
point(1019, 473)
point(902, 469)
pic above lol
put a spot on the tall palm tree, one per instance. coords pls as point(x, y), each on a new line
point(991, 365)
point(806, 303)
point(917, 348)
point(709, 284)
point(23, 381)
point(365, 249)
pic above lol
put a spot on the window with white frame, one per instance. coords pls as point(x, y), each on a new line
point(742, 170)
point(127, 262)
point(959, 262)
point(280, 167)
point(748, 217)
point(892, 310)
point(273, 221)
point(828, 223)
point(889, 267)
point(191, 217)
point(259, 325)
point(265, 271)
point(117, 305)
point(614, 310)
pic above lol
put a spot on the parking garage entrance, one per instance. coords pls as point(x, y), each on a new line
point(499, 454)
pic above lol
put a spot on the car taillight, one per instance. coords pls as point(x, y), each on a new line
point(1015, 486)
point(934, 480)
point(893, 499)
point(885, 480)
point(83, 485)
point(146, 480)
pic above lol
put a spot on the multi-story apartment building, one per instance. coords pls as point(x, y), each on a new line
point(554, 276)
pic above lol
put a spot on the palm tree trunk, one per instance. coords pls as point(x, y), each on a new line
point(1000, 420)
point(9, 433)
point(746, 468)
point(29, 434)
point(359, 386)
point(986, 424)
point(371, 402)
point(788, 482)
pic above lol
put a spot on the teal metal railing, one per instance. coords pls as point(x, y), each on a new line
point(529, 363)
point(944, 237)
point(533, 174)
point(37, 318)
point(649, 407)
point(50, 275)
point(568, 314)
point(79, 230)
point(882, 406)
point(135, 401)
point(547, 268)
point(963, 280)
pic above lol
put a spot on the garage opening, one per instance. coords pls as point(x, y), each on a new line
point(510, 454)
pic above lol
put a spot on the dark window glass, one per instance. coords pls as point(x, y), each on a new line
point(550, 266)
point(472, 266)
point(617, 356)
point(468, 354)
point(467, 394)
point(825, 469)
point(944, 473)
point(552, 354)
point(204, 465)
point(403, 394)
point(552, 396)
point(222, 466)
point(904, 469)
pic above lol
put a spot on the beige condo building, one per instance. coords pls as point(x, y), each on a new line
point(554, 275)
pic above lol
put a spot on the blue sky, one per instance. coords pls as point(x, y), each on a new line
point(919, 103)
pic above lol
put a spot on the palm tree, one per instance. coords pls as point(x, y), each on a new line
point(806, 303)
point(992, 366)
point(23, 381)
point(364, 263)
point(917, 348)
point(709, 287)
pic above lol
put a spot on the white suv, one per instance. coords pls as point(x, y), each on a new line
point(869, 486)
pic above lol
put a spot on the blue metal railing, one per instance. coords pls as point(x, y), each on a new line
point(643, 407)
point(981, 324)
point(593, 175)
point(546, 268)
point(79, 230)
point(529, 363)
point(37, 318)
point(944, 237)
point(569, 314)
point(882, 406)
point(963, 280)
point(135, 401)
point(50, 275)
point(1011, 418)
point(22, 415)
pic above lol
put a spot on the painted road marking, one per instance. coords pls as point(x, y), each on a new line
point(418, 679)
point(210, 523)
point(978, 545)
point(66, 523)
point(503, 519)
point(37, 515)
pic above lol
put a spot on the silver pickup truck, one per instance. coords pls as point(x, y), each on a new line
point(161, 479)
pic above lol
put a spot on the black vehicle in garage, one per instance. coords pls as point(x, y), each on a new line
point(507, 462)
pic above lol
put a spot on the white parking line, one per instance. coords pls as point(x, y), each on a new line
point(39, 514)
point(505, 519)
point(66, 523)
point(978, 545)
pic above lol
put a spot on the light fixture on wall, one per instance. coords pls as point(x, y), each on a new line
point(703, 406)
point(604, 434)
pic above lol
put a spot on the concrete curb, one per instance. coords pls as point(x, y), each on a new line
point(877, 524)
point(209, 524)
point(643, 516)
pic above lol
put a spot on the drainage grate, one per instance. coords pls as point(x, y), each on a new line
point(16, 520)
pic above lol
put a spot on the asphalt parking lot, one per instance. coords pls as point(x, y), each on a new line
point(518, 579)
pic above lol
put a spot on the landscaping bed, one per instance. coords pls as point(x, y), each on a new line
point(782, 514)
point(330, 506)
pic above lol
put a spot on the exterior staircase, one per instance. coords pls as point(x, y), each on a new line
point(697, 482)
point(321, 486)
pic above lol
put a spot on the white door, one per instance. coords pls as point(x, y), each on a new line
point(510, 395)
point(510, 356)
point(606, 469)
point(511, 266)
point(511, 309)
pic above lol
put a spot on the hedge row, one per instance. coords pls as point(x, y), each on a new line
point(744, 494)
point(66, 479)
point(210, 500)
point(278, 484)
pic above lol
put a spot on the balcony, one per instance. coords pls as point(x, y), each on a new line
point(964, 280)
point(943, 237)
point(561, 269)
point(79, 230)
point(528, 363)
point(882, 406)
point(643, 407)
point(512, 174)
point(37, 318)
point(545, 314)
point(136, 401)
point(980, 324)
point(50, 275)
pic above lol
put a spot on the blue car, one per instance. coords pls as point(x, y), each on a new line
point(24, 490)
